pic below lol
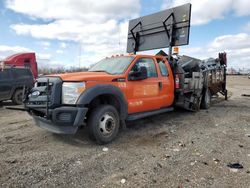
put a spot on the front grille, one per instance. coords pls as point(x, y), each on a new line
point(44, 85)
point(49, 93)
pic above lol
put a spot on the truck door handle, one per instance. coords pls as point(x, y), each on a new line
point(160, 85)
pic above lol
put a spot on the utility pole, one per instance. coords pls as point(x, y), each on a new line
point(119, 40)
point(80, 54)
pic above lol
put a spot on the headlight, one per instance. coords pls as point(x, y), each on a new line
point(71, 91)
point(35, 85)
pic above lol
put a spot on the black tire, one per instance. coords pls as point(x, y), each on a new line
point(206, 99)
point(17, 97)
point(103, 124)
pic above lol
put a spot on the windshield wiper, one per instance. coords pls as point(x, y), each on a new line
point(99, 71)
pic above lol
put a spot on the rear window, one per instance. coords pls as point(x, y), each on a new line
point(22, 73)
point(163, 67)
point(4, 75)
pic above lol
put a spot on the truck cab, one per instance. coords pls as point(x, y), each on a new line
point(27, 60)
point(114, 90)
point(146, 81)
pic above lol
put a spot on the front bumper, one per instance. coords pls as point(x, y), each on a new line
point(62, 120)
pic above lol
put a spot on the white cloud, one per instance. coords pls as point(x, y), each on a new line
point(237, 47)
point(45, 43)
point(43, 56)
point(59, 51)
point(74, 30)
point(203, 11)
point(241, 7)
point(247, 27)
point(85, 10)
point(99, 26)
point(63, 45)
point(97, 40)
point(10, 50)
point(232, 42)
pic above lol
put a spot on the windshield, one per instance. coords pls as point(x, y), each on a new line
point(114, 65)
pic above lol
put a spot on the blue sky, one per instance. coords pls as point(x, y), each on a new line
point(72, 33)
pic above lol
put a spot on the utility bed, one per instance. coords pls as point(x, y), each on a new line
point(196, 76)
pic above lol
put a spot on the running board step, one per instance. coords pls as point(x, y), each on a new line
point(136, 116)
point(19, 108)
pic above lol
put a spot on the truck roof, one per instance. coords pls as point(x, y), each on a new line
point(9, 58)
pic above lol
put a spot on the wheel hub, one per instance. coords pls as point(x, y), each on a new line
point(106, 124)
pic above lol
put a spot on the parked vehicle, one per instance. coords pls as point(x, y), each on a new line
point(12, 82)
point(116, 90)
point(128, 87)
point(27, 60)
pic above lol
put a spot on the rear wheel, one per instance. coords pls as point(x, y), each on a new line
point(206, 99)
point(103, 124)
point(17, 97)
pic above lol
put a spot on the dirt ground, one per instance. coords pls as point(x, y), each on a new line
point(177, 149)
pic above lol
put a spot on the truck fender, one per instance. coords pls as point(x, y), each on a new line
point(87, 96)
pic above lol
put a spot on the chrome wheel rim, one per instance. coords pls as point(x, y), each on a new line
point(106, 124)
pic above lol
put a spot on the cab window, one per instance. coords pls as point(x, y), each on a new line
point(149, 64)
point(163, 67)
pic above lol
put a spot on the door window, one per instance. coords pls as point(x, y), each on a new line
point(149, 64)
point(163, 67)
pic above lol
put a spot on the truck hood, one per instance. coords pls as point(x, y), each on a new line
point(86, 76)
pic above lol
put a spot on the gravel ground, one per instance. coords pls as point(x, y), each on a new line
point(177, 149)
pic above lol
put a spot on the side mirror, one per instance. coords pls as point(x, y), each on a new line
point(138, 75)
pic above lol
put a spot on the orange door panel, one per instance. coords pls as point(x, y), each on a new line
point(144, 95)
point(167, 82)
point(167, 98)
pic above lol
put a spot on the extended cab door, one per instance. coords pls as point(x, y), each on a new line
point(5, 84)
point(167, 83)
point(144, 95)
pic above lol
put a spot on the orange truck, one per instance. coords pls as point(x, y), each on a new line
point(127, 87)
point(116, 90)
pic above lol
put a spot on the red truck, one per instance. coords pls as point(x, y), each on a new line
point(23, 60)
point(128, 87)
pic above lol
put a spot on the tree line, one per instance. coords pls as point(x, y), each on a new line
point(60, 70)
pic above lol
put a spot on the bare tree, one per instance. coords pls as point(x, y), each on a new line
point(60, 70)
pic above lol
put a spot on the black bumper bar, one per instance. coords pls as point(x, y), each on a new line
point(63, 120)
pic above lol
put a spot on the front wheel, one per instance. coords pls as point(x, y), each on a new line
point(18, 97)
point(103, 124)
point(206, 99)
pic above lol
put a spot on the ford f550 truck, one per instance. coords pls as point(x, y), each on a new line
point(118, 89)
point(128, 87)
